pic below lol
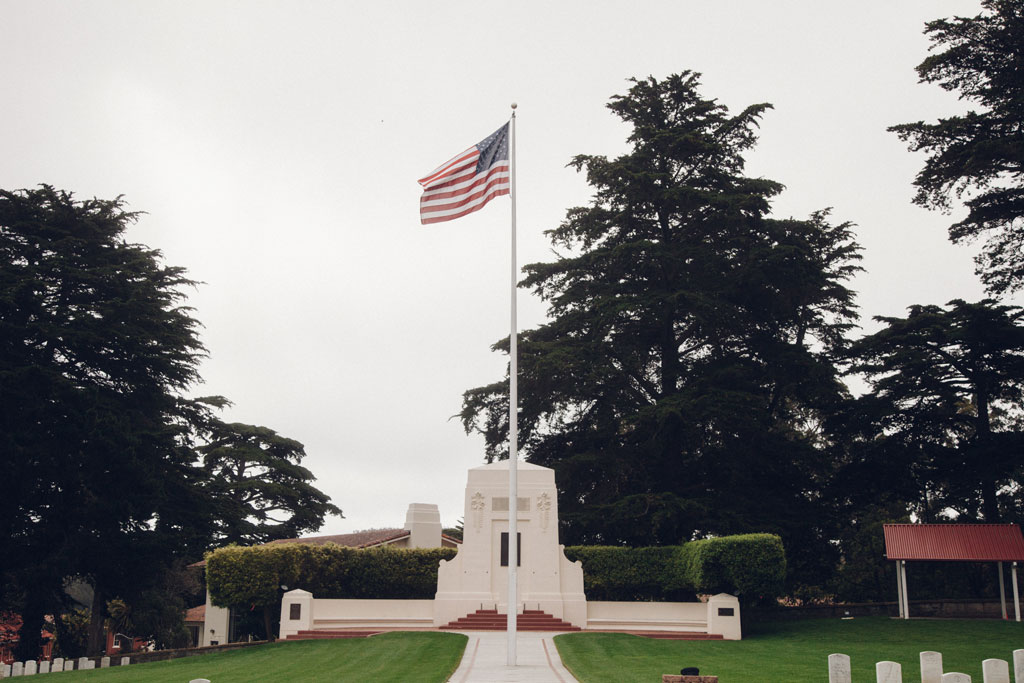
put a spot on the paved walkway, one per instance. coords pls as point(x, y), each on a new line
point(487, 653)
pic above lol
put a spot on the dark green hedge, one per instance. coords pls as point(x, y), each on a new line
point(751, 566)
point(617, 573)
point(253, 576)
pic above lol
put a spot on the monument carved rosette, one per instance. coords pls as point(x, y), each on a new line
point(477, 504)
point(544, 507)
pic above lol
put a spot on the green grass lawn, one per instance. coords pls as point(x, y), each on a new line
point(405, 657)
point(794, 651)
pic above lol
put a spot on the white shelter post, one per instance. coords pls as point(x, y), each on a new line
point(1016, 594)
point(1002, 590)
point(906, 598)
point(899, 589)
point(513, 418)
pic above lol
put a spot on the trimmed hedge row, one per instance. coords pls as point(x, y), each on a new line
point(751, 566)
point(253, 576)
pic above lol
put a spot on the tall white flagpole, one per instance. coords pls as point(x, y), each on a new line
point(513, 419)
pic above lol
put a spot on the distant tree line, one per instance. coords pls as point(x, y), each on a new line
point(692, 377)
point(114, 477)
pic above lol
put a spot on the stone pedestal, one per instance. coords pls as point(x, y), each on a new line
point(296, 612)
point(724, 616)
point(476, 579)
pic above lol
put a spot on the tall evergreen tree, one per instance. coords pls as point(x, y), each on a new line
point(946, 383)
point(980, 154)
point(95, 348)
point(260, 487)
point(677, 386)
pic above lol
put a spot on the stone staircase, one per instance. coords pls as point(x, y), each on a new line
point(491, 620)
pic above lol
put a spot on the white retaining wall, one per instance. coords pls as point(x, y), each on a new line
point(301, 612)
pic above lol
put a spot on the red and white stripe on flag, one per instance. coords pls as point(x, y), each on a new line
point(466, 182)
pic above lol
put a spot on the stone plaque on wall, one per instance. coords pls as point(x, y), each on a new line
point(500, 504)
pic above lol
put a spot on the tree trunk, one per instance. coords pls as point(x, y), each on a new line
point(96, 643)
point(29, 637)
point(983, 438)
point(266, 622)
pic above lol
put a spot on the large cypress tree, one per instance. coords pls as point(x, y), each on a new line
point(259, 486)
point(979, 155)
point(95, 348)
point(942, 417)
point(678, 385)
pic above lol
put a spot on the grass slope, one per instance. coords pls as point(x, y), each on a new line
point(405, 657)
point(794, 651)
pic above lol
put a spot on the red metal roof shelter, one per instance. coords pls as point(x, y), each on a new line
point(954, 543)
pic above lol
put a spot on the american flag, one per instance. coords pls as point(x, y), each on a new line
point(466, 182)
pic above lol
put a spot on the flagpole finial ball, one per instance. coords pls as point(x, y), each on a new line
point(514, 105)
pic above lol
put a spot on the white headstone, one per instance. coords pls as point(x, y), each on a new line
point(31, 666)
point(931, 667)
point(17, 669)
point(995, 671)
point(125, 661)
point(104, 662)
point(839, 668)
point(58, 664)
point(69, 665)
point(955, 677)
point(888, 672)
point(1018, 666)
point(91, 664)
point(200, 680)
point(82, 663)
point(44, 666)
point(5, 671)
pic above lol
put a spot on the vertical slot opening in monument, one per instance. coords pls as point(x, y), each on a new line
point(504, 549)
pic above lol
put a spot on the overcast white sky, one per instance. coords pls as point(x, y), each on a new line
point(275, 147)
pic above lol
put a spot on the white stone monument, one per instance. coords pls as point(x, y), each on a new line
point(476, 578)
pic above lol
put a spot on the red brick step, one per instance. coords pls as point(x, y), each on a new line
point(491, 620)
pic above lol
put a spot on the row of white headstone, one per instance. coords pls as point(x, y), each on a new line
point(992, 670)
point(32, 667)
